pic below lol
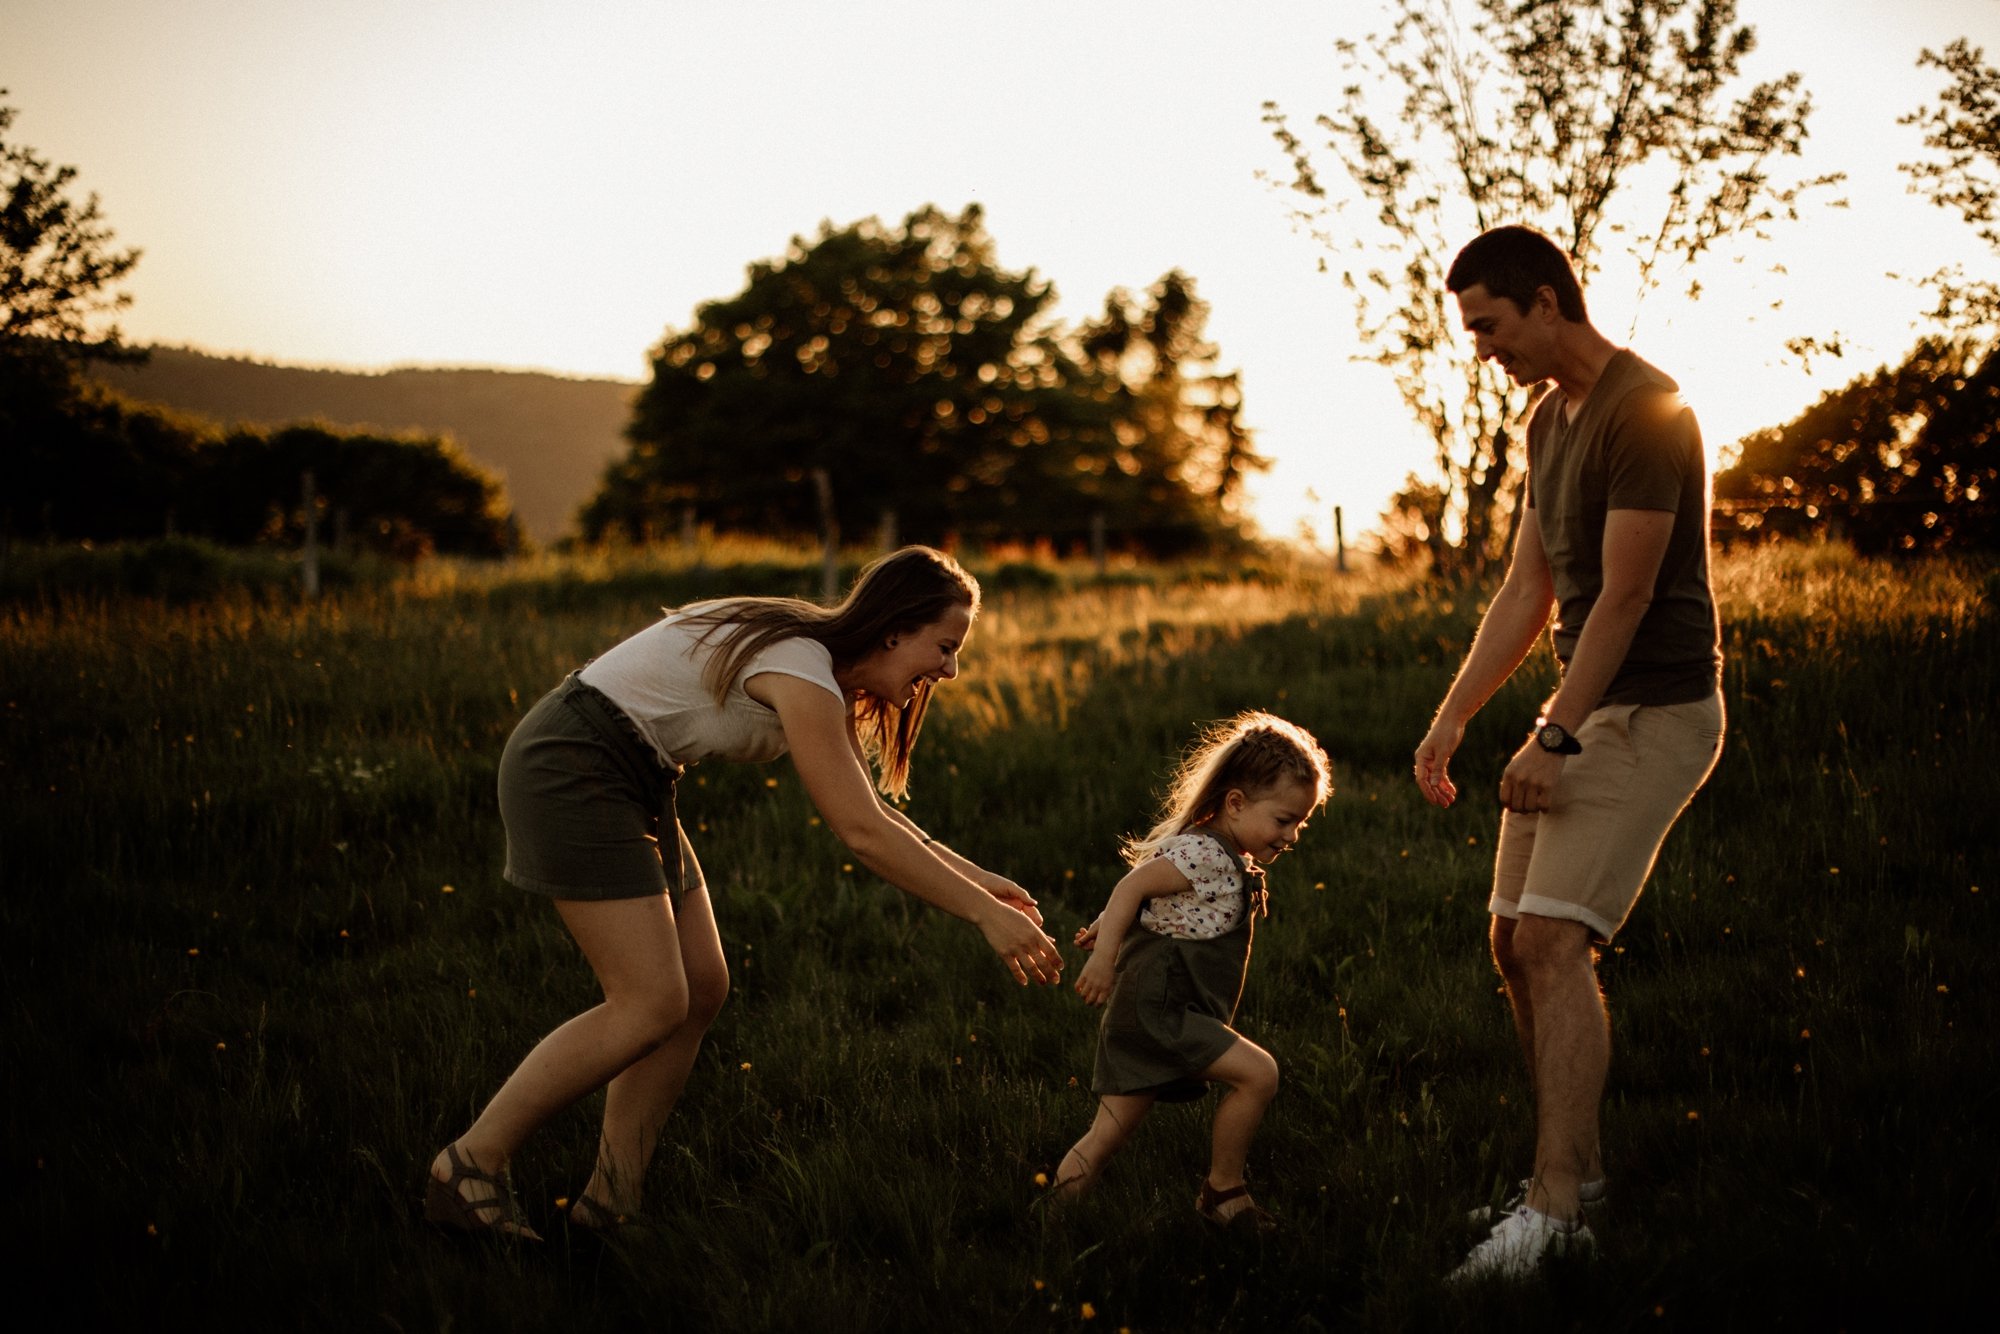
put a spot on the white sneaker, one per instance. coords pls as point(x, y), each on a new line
point(1518, 1246)
point(1594, 1196)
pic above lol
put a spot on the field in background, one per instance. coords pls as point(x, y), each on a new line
point(261, 966)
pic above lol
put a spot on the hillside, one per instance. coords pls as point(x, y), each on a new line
point(547, 437)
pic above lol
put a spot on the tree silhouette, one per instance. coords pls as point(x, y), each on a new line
point(57, 268)
point(902, 372)
point(1906, 459)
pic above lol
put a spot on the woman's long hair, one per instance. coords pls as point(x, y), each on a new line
point(897, 594)
point(1254, 753)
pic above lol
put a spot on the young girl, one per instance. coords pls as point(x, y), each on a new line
point(1170, 950)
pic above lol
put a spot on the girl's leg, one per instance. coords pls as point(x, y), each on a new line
point(637, 1102)
point(632, 946)
point(1118, 1115)
point(1252, 1076)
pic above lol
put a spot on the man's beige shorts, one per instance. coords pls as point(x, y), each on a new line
point(1587, 857)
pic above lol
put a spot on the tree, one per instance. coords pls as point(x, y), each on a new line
point(57, 267)
point(1180, 439)
point(1586, 118)
point(1902, 460)
point(1965, 128)
point(1905, 458)
point(900, 362)
point(95, 466)
point(909, 375)
point(404, 496)
point(83, 464)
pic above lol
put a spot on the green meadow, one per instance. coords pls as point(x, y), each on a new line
point(261, 965)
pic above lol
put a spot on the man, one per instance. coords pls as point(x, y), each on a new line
point(1616, 541)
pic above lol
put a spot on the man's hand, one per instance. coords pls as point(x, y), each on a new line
point(1529, 784)
point(1434, 760)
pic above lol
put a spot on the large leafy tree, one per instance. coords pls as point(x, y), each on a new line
point(903, 363)
point(902, 371)
point(1180, 441)
point(59, 272)
point(58, 285)
point(1619, 121)
point(1906, 459)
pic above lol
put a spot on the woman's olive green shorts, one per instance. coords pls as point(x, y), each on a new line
point(588, 804)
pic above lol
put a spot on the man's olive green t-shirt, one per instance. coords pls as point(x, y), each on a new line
point(1633, 445)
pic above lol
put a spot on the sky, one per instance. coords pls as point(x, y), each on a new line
point(552, 186)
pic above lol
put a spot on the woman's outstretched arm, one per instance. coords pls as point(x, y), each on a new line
point(999, 886)
point(819, 733)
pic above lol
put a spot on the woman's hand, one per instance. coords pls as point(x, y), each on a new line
point(1020, 943)
point(1094, 982)
point(1009, 893)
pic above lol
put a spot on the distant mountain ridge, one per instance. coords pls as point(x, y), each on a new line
point(546, 436)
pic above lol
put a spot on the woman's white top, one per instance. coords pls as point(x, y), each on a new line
point(1214, 900)
point(658, 678)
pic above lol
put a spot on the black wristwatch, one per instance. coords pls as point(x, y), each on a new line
point(1553, 738)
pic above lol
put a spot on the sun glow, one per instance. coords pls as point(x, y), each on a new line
point(437, 185)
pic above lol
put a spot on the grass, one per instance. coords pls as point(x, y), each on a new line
point(261, 965)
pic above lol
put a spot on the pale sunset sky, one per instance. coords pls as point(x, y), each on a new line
point(368, 183)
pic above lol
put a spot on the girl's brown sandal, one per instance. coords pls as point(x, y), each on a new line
point(1250, 1218)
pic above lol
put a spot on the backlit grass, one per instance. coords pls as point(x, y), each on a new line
point(261, 965)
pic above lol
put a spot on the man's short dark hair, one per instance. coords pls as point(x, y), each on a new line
point(1517, 262)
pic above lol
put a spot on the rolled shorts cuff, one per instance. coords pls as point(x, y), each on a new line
point(1535, 905)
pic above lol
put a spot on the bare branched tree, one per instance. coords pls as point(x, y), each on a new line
point(1593, 120)
point(1964, 129)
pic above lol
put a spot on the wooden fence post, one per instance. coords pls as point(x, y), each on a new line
point(829, 536)
point(309, 562)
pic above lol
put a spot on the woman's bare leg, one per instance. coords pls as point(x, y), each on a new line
point(634, 949)
point(638, 1101)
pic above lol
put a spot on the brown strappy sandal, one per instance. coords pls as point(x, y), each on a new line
point(1251, 1218)
point(446, 1207)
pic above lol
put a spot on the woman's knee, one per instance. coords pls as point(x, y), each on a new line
point(654, 1013)
point(706, 993)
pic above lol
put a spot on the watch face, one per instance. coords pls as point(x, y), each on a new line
point(1553, 738)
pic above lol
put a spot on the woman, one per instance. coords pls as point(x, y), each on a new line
point(586, 780)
